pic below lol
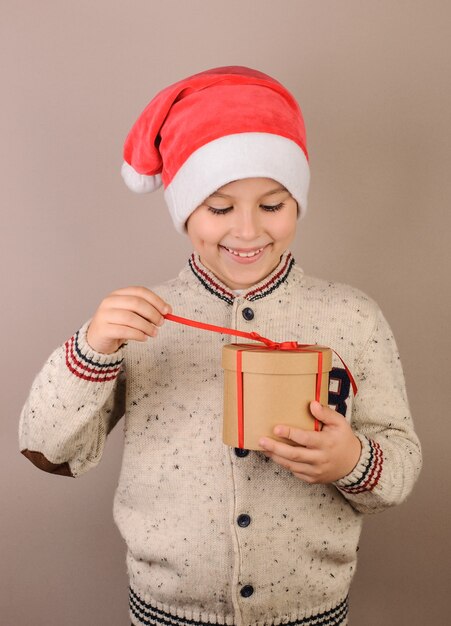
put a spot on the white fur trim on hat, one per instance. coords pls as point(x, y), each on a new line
point(139, 183)
point(234, 157)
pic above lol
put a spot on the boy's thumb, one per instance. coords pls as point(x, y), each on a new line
point(323, 413)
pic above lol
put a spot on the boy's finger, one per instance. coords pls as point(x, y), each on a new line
point(306, 469)
point(129, 319)
point(325, 414)
point(138, 305)
point(306, 438)
point(147, 295)
point(128, 333)
point(126, 304)
point(284, 450)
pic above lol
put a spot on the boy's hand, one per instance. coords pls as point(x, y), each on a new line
point(318, 456)
point(130, 313)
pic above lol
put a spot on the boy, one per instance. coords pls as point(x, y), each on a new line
point(215, 534)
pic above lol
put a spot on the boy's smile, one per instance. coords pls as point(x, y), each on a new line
point(245, 255)
point(241, 231)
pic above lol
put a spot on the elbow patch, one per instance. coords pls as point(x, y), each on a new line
point(38, 459)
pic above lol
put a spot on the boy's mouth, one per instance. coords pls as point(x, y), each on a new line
point(243, 255)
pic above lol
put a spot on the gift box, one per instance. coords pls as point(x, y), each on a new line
point(264, 387)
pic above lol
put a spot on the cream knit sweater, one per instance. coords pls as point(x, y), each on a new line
point(214, 534)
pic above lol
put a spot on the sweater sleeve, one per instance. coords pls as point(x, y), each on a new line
point(391, 455)
point(74, 402)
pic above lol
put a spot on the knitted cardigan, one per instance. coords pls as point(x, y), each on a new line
point(217, 535)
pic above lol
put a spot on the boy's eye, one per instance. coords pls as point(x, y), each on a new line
point(274, 207)
point(219, 211)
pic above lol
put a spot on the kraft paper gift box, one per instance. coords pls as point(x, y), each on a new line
point(273, 387)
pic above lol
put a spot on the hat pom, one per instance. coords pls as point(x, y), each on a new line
point(139, 183)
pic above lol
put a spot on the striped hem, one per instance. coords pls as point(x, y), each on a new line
point(371, 473)
point(85, 368)
point(211, 284)
point(146, 614)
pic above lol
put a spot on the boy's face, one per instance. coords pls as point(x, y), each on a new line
point(241, 230)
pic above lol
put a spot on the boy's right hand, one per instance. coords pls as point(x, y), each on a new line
point(129, 313)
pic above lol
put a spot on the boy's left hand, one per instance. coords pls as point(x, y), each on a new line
point(318, 456)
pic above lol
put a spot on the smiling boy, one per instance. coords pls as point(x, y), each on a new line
point(242, 230)
point(217, 535)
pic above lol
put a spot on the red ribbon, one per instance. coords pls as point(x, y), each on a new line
point(268, 345)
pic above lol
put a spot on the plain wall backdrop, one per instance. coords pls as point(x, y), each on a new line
point(373, 81)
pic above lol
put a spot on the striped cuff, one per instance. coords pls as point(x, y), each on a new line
point(86, 363)
point(365, 476)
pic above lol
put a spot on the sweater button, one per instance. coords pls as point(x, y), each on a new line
point(241, 452)
point(248, 314)
point(243, 520)
point(247, 591)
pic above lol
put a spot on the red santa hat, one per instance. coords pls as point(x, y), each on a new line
point(212, 128)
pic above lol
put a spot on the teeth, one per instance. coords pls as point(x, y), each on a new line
point(245, 255)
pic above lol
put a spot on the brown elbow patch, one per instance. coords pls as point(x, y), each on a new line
point(38, 459)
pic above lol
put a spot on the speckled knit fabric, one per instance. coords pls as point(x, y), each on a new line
point(217, 535)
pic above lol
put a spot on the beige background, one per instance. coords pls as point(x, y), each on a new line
point(373, 80)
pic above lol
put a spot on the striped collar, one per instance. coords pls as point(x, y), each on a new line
point(271, 282)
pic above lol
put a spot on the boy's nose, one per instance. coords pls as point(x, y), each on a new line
point(247, 225)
